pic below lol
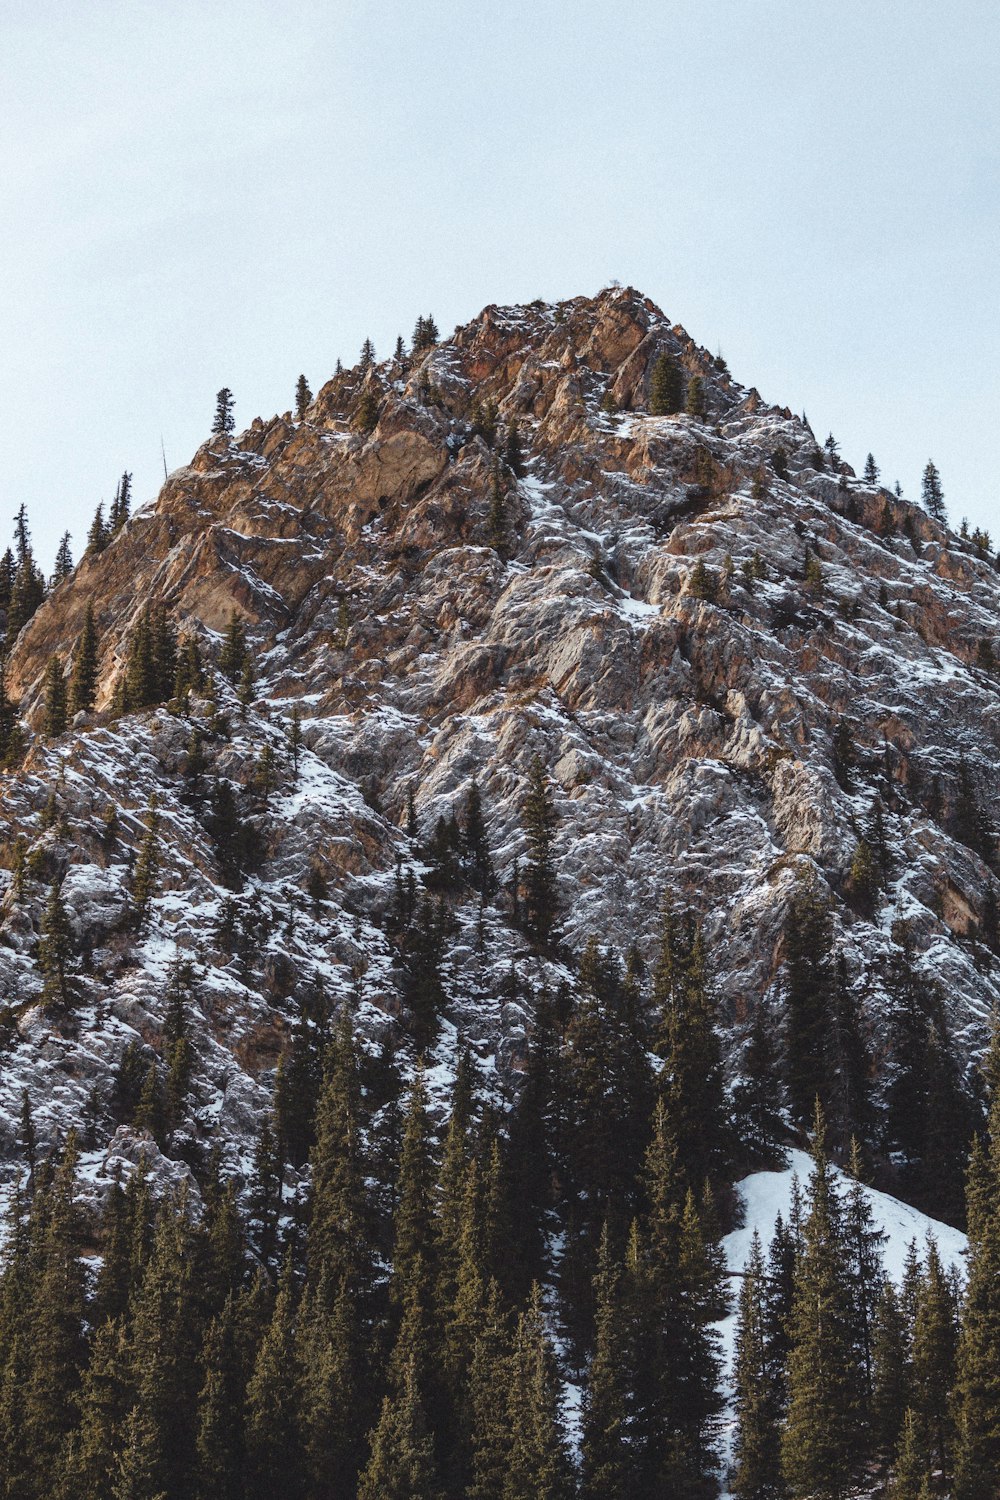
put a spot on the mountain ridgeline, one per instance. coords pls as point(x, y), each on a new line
point(451, 837)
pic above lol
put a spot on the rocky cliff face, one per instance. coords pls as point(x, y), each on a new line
point(676, 631)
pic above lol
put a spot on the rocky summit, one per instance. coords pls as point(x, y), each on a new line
point(731, 670)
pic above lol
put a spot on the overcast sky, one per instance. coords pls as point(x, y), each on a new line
point(194, 195)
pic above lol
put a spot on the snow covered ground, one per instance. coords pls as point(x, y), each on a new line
point(766, 1194)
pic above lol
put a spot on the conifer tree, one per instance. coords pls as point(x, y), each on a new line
point(757, 1468)
point(303, 396)
point(863, 1242)
point(367, 356)
point(871, 474)
point(758, 1126)
point(97, 536)
point(415, 1206)
point(147, 865)
point(977, 1390)
point(234, 647)
point(220, 1456)
point(686, 1039)
point(891, 1392)
point(55, 946)
point(63, 561)
point(666, 392)
point(513, 453)
point(932, 495)
point(402, 1464)
point(165, 1342)
point(538, 1466)
point(497, 524)
point(274, 1454)
point(223, 423)
point(935, 1337)
point(541, 904)
point(54, 720)
point(911, 1473)
point(55, 1321)
point(817, 1445)
point(695, 402)
point(808, 1000)
point(366, 412)
point(606, 1443)
point(83, 678)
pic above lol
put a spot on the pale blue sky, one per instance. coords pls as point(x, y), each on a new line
point(194, 195)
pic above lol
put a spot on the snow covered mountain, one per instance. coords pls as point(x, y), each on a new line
point(728, 653)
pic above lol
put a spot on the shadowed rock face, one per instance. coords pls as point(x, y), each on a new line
point(689, 739)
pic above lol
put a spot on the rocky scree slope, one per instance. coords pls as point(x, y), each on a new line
point(677, 633)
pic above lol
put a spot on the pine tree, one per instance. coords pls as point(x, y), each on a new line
point(366, 412)
point(83, 678)
point(55, 1320)
point(64, 560)
point(476, 854)
point(863, 1242)
point(606, 1447)
point(808, 1000)
point(694, 404)
point(977, 1389)
point(367, 356)
point(891, 1389)
point(303, 396)
point(541, 902)
point(666, 392)
point(165, 1342)
point(935, 1338)
point(234, 647)
point(497, 524)
point(539, 1467)
point(402, 1465)
point(415, 1206)
point(220, 1439)
point(932, 495)
point(758, 1126)
point(147, 865)
point(513, 453)
point(97, 536)
point(223, 423)
point(686, 1039)
point(871, 474)
point(55, 946)
point(54, 720)
point(756, 1452)
point(274, 1454)
point(817, 1445)
point(911, 1469)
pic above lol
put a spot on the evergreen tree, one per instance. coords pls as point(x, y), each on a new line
point(402, 1465)
point(863, 1242)
point(367, 356)
point(541, 903)
point(891, 1375)
point(817, 1445)
point(64, 560)
point(538, 1465)
point(513, 453)
point(54, 720)
point(223, 423)
point(415, 1206)
point(932, 495)
point(977, 1386)
point(758, 1126)
point(871, 474)
point(83, 678)
point(757, 1466)
point(55, 946)
point(366, 412)
point(606, 1445)
point(147, 865)
point(808, 1000)
point(303, 396)
point(234, 648)
point(295, 741)
point(695, 402)
point(935, 1338)
point(97, 536)
point(220, 1438)
point(692, 1080)
point(274, 1454)
point(666, 392)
